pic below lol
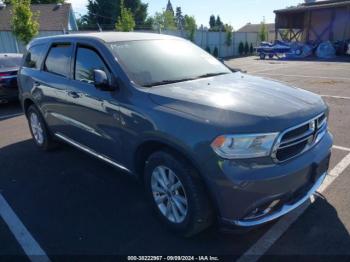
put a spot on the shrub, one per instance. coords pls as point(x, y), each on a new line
point(241, 48)
point(208, 49)
point(251, 51)
point(246, 48)
point(216, 52)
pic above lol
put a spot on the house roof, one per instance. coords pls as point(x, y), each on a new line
point(314, 6)
point(52, 17)
point(255, 28)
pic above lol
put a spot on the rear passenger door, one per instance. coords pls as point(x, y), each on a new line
point(95, 112)
point(52, 84)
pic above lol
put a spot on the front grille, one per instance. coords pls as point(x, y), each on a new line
point(298, 139)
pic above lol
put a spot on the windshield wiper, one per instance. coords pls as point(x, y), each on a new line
point(211, 75)
point(166, 82)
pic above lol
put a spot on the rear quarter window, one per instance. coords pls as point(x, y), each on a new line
point(34, 56)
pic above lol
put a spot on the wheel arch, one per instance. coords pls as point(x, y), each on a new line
point(27, 102)
point(150, 146)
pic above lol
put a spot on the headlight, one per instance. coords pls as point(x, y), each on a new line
point(244, 146)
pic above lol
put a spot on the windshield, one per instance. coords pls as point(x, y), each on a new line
point(157, 62)
point(10, 61)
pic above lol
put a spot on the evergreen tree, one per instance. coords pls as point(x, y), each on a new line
point(208, 49)
point(126, 22)
point(251, 51)
point(219, 24)
point(263, 31)
point(190, 26)
point(246, 48)
point(47, 1)
point(212, 22)
point(179, 18)
point(24, 22)
point(216, 52)
point(229, 34)
point(105, 12)
point(241, 48)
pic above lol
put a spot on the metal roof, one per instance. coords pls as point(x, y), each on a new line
point(314, 6)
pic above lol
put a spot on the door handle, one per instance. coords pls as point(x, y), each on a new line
point(73, 94)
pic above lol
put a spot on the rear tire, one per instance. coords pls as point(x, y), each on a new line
point(182, 203)
point(38, 128)
point(262, 56)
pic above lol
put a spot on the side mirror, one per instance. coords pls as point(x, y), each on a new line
point(101, 80)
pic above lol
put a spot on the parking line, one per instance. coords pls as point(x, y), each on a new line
point(272, 69)
point(12, 115)
point(340, 97)
point(342, 148)
point(31, 248)
point(255, 252)
point(306, 76)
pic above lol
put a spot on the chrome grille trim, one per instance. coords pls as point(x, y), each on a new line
point(317, 129)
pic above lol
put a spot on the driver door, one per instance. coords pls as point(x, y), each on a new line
point(95, 113)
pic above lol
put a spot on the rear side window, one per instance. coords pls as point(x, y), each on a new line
point(58, 59)
point(34, 54)
point(86, 62)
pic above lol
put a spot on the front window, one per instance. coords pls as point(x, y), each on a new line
point(58, 59)
point(156, 62)
point(86, 62)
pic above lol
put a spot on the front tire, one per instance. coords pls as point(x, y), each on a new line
point(39, 130)
point(177, 194)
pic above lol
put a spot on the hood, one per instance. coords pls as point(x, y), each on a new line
point(237, 98)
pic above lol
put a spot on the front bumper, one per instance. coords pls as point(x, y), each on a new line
point(285, 209)
point(250, 193)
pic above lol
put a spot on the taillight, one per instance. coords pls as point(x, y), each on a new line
point(6, 75)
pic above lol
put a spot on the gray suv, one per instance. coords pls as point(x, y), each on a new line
point(209, 144)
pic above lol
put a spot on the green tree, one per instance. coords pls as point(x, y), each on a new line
point(208, 49)
point(24, 23)
point(241, 48)
point(246, 48)
point(138, 9)
point(251, 49)
point(190, 26)
point(179, 18)
point(105, 13)
point(126, 22)
point(212, 22)
point(216, 52)
point(46, 2)
point(263, 31)
point(229, 34)
point(164, 20)
point(219, 24)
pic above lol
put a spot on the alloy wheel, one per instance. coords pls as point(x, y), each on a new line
point(169, 194)
point(37, 129)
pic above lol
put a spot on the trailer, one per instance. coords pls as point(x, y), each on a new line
point(276, 49)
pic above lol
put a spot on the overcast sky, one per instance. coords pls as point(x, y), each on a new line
point(235, 12)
